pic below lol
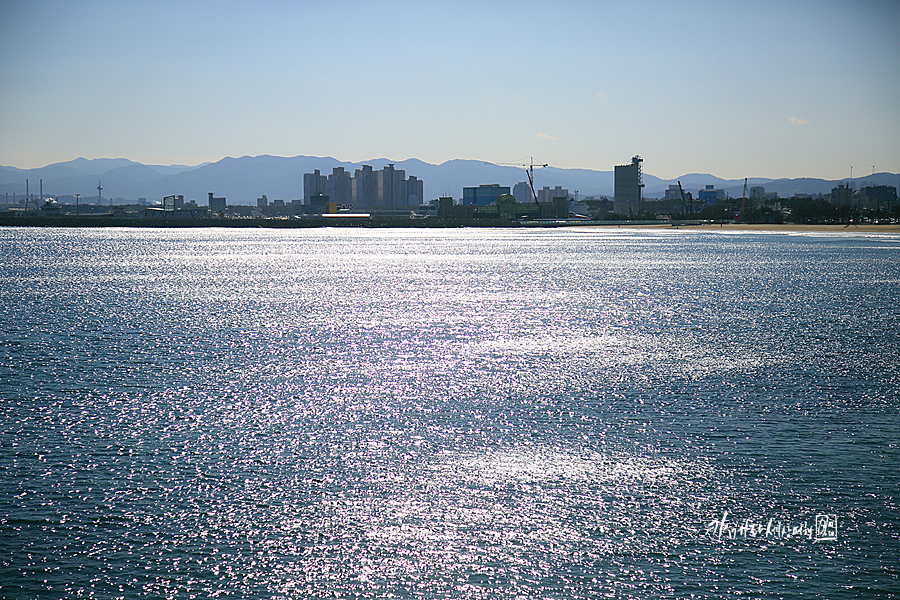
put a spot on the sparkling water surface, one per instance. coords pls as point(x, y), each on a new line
point(465, 413)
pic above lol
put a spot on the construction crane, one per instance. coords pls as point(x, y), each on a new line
point(529, 170)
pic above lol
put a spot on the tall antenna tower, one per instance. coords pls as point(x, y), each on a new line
point(99, 189)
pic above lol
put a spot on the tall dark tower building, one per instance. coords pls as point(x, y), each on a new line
point(629, 184)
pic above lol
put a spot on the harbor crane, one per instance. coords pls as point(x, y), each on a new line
point(529, 170)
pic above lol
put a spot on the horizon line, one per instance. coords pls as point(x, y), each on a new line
point(395, 161)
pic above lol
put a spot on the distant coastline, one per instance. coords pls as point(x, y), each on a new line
point(242, 180)
point(69, 221)
point(798, 227)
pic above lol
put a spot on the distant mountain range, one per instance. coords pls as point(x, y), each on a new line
point(242, 180)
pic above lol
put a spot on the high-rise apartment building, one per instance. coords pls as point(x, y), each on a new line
point(391, 187)
point(363, 187)
point(629, 182)
point(314, 184)
point(522, 192)
point(339, 186)
point(387, 188)
point(415, 191)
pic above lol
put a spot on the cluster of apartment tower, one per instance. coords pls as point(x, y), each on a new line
point(386, 188)
point(390, 188)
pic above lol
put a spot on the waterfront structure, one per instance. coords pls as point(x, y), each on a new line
point(484, 195)
point(317, 201)
point(215, 203)
point(598, 207)
point(174, 206)
point(628, 186)
point(505, 208)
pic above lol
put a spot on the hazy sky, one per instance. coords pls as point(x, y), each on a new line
point(772, 89)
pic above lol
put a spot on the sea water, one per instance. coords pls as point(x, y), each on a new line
point(451, 413)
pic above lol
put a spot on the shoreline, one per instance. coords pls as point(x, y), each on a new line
point(405, 223)
point(795, 227)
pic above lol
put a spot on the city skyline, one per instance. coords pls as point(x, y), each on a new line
point(245, 179)
point(767, 90)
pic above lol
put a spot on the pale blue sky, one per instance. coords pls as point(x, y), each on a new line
point(768, 89)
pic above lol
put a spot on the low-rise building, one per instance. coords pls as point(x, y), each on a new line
point(711, 196)
point(505, 208)
point(484, 194)
point(547, 194)
point(878, 197)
